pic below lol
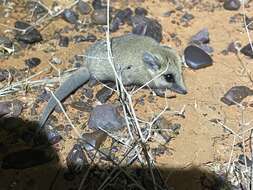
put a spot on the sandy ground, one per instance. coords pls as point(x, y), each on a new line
point(200, 141)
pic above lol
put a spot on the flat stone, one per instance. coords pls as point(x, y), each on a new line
point(197, 58)
point(83, 7)
point(99, 17)
point(31, 36)
point(32, 62)
point(70, 16)
point(232, 5)
point(236, 94)
point(93, 140)
point(247, 50)
point(147, 27)
point(106, 117)
point(201, 37)
point(76, 159)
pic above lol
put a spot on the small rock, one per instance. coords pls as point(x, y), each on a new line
point(88, 92)
point(93, 140)
point(51, 135)
point(99, 17)
point(105, 93)
point(81, 106)
point(70, 16)
point(27, 158)
point(6, 42)
point(32, 62)
point(30, 36)
point(64, 41)
point(140, 11)
point(4, 74)
point(97, 4)
point(196, 58)
point(114, 25)
point(186, 17)
point(242, 158)
point(76, 159)
point(83, 7)
point(85, 38)
point(249, 22)
point(247, 50)
point(236, 94)
point(232, 5)
point(147, 27)
point(106, 117)
point(120, 18)
point(201, 37)
point(11, 108)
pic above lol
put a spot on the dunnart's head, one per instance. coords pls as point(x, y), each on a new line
point(165, 60)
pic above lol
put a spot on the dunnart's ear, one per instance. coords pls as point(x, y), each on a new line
point(151, 61)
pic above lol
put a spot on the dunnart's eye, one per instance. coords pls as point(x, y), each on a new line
point(169, 78)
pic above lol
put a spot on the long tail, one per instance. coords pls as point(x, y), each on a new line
point(77, 79)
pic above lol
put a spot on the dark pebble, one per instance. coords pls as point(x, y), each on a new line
point(83, 7)
point(124, 15)
point(6, 42)
point(32, 62)
point(76, 159)
point(48, 136)
point(242, 158)
point(249, 23)
point(88, 92)
point(147, 27)
point(93, 140)
point(114, 25)
point(70, 16)
point(11, 108)
point(99, 17)
point(197, 58)
point(64, 41)
point(97, 4)
point(236, 94)
point(30, 36)
point(247, 50)
point(232, 5)
point(27, 158)
point(140, 11)
point(85, 38)
point(105, 93)
point(106, 117)
point(186, 17)
point(4, 74)
point(201, 37)
point(81, 106)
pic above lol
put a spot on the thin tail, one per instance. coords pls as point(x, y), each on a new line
point(77, 79)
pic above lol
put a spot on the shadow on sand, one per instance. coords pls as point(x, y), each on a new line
point(37, 166)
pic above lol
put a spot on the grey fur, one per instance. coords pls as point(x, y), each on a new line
point(138, 58)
